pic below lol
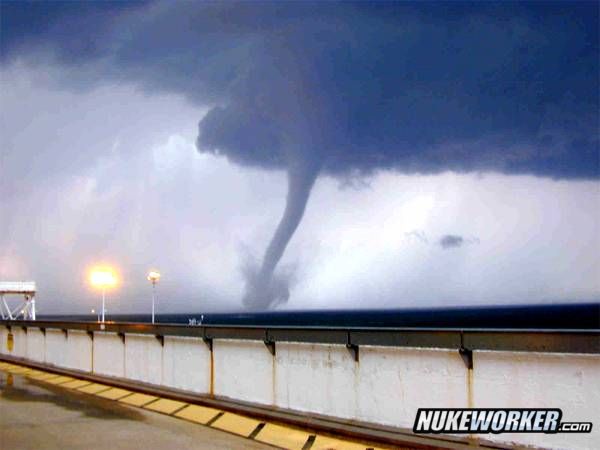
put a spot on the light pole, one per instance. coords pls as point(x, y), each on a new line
point(153, 277)
point(103, 278)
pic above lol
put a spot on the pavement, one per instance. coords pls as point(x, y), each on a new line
point(43, 410)
point(44, 416)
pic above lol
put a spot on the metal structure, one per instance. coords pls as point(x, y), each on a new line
point(464, 340)
point(153, 278)
point(24, 309)
point(103, 278)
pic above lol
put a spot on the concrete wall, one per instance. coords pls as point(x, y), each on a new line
point(541, 380)
point(386, 386)
point(79, 350)
point(312, 377)
point(36, 345)
point(56, 347)
point(20, 342)
point(3, 340)
point(395, 382)
point(143, 358)
point(186, 364)
point(108, 354)
point(243, 370)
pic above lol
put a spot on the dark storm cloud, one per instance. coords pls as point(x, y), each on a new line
point(419, 88)
point(344, 88)
point(451, 241)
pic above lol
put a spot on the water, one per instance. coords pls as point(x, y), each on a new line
point(572, 316)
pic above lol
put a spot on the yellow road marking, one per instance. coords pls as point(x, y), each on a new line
point(76, 384)
point(59, 380)
point(114, 393)
point(44, 376)
point(236, 424)
point(279, 436)
point(198, 414)
point(19, 370)
point(138, 399)
point(165, 405)
point(93, 388)
point(327, 443)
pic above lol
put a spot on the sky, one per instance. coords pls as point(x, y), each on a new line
point(300, 155)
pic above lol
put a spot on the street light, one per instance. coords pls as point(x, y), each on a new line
point(153, 277)
point(103, 278)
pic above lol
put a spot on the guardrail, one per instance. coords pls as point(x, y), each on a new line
point(317, 372)
point(523, 340)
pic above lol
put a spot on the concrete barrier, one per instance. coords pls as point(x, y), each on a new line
point(79, 350)
point(383, 386)
point(187, 364)
point(19, 342)
point(243, 370)
point(541, 380)
point(395, 382)
point(143, 358)
point(108, 354)
point(36, 345)
point(4, 341)
point(316, 377)
point(56, 347)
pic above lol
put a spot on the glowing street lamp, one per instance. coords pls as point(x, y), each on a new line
point(153, 277)
point(103, 278)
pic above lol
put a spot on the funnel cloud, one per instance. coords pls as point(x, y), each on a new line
point(261, 292)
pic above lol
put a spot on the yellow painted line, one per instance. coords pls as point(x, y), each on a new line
point(6, 365)
point(284, 437)
point(19, 370)
point(236, 424)
point(165, 406)
point(59, 380)
point(93, 388)
point(327, 443)
point(198, 414)
point(44, 376)
point(39, 374)
point(138, 399)
point(75, 384)
point(114, 393)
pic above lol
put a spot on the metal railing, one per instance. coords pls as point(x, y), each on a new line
point(532, 340)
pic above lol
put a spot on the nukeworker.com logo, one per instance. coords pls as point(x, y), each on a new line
point(495, 420)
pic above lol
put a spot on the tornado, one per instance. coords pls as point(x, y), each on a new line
point(345, 90)
point(263, 289)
